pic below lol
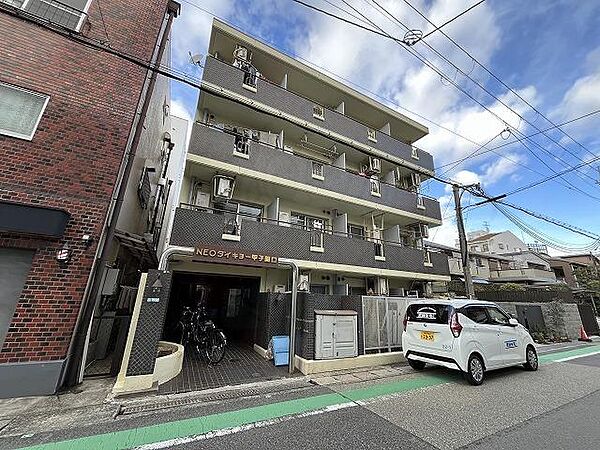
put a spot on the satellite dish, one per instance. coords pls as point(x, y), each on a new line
point(196, 58)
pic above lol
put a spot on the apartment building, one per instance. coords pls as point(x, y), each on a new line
point(72, 115)
point(287, 163)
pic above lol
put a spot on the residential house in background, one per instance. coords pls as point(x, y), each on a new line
point(73, 113)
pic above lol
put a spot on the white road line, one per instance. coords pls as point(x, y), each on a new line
point(228, 431)
point(569, 358)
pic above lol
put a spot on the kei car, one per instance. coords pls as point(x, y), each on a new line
point(468, 335)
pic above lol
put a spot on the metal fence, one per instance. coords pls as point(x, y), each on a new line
point(382, 321)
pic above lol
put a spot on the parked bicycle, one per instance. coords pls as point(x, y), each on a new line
point(200, 333)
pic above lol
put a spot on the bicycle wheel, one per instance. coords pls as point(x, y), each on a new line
point(215, 346)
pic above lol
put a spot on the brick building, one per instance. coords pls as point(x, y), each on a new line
point(69, 117)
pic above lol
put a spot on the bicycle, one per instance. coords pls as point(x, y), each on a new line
point(201, 334)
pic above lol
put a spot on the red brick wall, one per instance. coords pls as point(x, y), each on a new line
point(73, 159)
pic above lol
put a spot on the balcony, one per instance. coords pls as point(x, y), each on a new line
point(231, 78)
point(192, 228)
point(527, 274)
point(219, 146)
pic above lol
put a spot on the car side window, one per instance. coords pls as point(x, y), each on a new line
point(476, 314)
point(497, 317)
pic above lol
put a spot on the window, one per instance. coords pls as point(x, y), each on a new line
point(375, 186)
point(497, 317)
point(430, 313)
point(420, 202)
point(372, 135)
point(379, 249)
point(318, 112)
point(67, 13)
point(235, 212)
point(414, 153)
point(356, 231)
point(476, 313)
point(20, 111)
point(317, 171)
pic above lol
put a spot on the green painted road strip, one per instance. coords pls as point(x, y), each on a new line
point(575, 353)
point(231, 419)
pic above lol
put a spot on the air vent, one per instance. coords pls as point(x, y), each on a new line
point(372, 135)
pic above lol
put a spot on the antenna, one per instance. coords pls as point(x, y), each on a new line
point(196, 58)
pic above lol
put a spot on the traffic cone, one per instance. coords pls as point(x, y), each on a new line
point(583, 335)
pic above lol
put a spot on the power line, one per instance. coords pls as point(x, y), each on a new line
point(575, 119)
point(386, 100)
point(444, 76)
point(487, 91)
point(140, 63)
point(496, 77)
point(438, 28)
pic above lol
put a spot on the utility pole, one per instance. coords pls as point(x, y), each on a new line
point(462, 238)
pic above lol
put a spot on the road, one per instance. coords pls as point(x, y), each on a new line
point(555, 407)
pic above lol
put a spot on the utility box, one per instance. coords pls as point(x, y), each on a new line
point(336, 334)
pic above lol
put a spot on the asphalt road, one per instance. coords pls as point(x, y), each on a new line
point(556, 407)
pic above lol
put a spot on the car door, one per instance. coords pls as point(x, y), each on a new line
point(484, 334)
point(509, 339)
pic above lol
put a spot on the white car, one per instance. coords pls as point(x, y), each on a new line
point(468, 335)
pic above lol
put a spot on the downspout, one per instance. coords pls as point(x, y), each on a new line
point(292, 351)
point(73, 370)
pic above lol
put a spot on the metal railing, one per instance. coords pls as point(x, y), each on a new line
point(233, 225)
point(52, 11)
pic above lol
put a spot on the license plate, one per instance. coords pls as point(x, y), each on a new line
point(427, 336)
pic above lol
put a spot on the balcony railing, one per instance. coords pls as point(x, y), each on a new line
point(52, 11)
point(204, 226)
point(523, 274)
point(218, 145)
point(231, 78)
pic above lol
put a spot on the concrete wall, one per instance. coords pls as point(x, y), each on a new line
point(571, 317)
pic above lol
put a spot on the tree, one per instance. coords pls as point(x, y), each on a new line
point(589, 277)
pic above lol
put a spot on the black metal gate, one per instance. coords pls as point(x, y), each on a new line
point(531, 317)
point(588, 318)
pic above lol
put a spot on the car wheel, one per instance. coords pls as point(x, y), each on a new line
point(531, 359)
point(475, 370)
point(417, 365)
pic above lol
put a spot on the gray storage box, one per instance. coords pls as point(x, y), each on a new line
point(336, 334)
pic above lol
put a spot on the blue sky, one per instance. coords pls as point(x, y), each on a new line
point(548, 51)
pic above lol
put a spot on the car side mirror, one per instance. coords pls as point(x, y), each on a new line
point(513, 322)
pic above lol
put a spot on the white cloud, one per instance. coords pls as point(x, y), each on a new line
point(179, 109)
point(501, 168)
point(191, 30)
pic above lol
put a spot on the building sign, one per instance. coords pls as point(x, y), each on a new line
point(208, 253)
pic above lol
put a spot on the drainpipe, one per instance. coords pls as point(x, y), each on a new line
point(73, 372)
point(292, 351)
point(173, 250)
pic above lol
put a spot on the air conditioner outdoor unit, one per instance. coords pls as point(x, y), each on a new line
point(223, 187)
point(303, 283)
point(242, 53)
point(280, 288)
point(318, 112)
point(413, 294)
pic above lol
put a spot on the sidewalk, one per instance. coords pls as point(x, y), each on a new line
point(92, 402)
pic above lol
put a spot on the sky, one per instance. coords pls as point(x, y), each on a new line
point(547, 53)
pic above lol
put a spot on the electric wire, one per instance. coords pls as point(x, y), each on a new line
point(156, 68)
point(495, 97)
